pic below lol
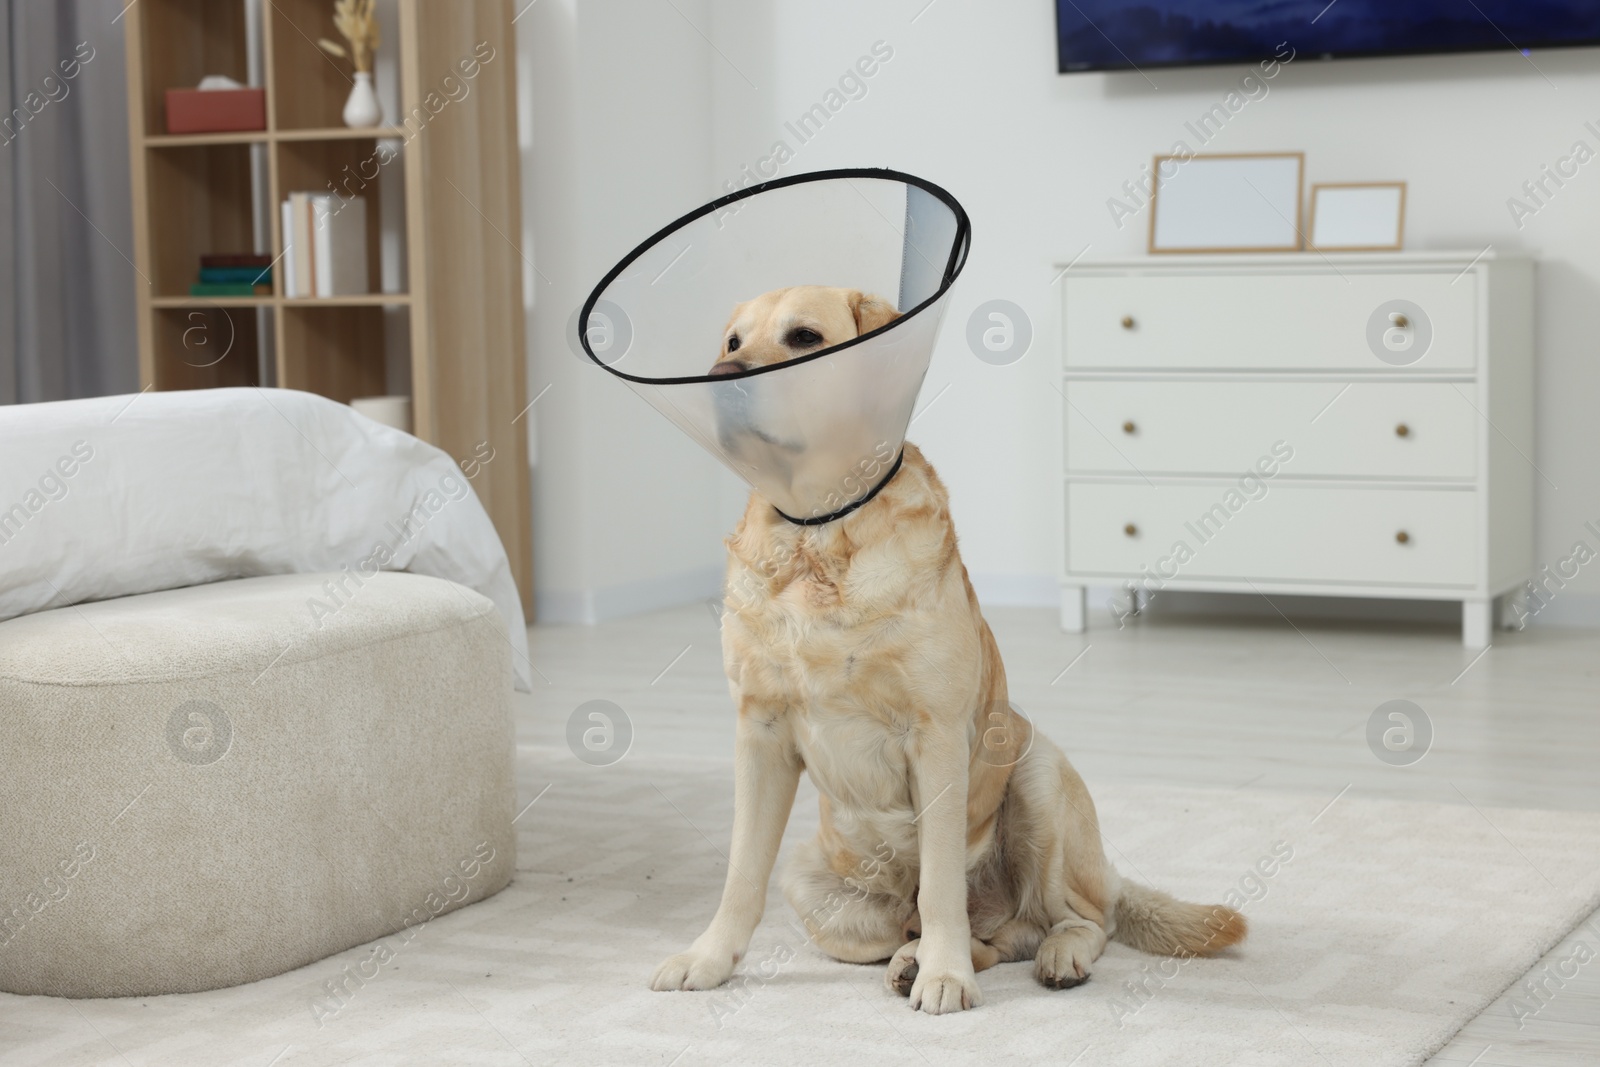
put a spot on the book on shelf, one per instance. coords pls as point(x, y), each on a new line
point(291, 275)
point(229, 289)
point(235, 259)
point(297, 240)
point(237, 275)
point(325, 245)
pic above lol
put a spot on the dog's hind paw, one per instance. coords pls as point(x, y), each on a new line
point(902, 972)
point(692, 970)
point(1063, 960)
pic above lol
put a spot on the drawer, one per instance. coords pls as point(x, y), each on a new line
point(1287, 533)
point(1366, 429)
point(1290, 321)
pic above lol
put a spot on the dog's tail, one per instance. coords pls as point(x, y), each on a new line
point(1153, 921)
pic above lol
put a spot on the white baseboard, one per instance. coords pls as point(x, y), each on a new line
point(1570, 609)
point(589, 606)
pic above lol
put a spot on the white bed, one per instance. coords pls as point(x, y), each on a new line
point(130, 494)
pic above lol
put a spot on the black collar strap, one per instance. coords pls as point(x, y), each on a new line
point(848, 508)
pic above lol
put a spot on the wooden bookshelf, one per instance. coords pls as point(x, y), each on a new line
point(460, 313)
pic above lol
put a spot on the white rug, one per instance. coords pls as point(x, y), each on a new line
point(1392, 924)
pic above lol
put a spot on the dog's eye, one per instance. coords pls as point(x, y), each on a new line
point(733, 343)
point(804, 338)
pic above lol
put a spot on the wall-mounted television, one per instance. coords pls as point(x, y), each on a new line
point(1141, 34)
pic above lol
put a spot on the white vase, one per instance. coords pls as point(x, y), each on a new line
point(362, 109)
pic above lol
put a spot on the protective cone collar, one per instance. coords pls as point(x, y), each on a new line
point(817, 435)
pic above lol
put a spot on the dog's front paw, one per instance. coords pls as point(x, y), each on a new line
point(692, 970)
point(937, 990)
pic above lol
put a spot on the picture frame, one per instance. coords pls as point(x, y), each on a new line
point(1227, 202)
point(1357, 217)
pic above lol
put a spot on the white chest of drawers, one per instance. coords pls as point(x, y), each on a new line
point(1357, 425)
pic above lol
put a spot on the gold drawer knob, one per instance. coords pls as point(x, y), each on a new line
point(1131, 530)
point(1403, 537)
point(1399, 320)
point(1127, 322)
point(1129, 427)
point(1402, 430)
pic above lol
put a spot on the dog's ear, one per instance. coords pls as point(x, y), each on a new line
point(871, 312)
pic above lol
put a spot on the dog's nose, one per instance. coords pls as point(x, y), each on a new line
point(727, 366)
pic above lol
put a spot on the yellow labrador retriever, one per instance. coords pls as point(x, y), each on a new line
point(953, 838)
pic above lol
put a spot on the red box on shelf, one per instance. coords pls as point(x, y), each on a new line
point(216, 110)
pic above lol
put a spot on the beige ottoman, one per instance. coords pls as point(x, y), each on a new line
point(212, 785)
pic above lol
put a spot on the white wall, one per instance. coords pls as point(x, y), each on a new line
point(616, 115)
point(970, 99)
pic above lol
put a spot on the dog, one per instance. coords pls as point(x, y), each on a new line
point(953, 837)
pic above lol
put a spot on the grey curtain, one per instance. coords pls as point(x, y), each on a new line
point(67, 326)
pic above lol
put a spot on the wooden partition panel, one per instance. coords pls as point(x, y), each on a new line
point(477, 376)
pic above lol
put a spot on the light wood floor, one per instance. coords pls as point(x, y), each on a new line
point(1275, 705)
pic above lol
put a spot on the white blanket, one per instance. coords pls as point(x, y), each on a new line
point(130, 494)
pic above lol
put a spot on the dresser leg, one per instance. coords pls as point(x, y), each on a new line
point(1074, 608)
point(1477, 621)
